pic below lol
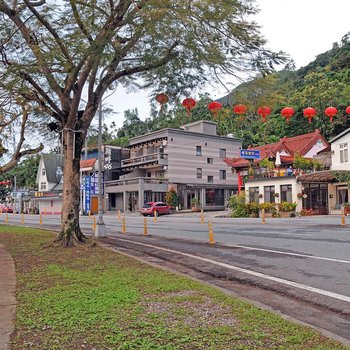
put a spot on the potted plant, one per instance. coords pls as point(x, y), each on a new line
point(251, 173)
point(194, 204)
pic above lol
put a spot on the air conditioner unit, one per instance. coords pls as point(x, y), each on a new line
point(165, 167)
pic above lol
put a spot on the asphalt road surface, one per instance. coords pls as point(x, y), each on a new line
point(305, 259)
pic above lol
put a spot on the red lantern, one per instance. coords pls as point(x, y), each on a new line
point(189, 103)
point(162, 99)
point(287, 113)
point(264, 111)
point(347, 110)
point(309, 113)
point(331, 112)
point(240, 109)
point(214, 107)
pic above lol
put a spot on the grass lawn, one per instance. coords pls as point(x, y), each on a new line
point(90, 298)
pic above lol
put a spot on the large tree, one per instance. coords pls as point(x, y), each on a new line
point(61, 56)
point(15, 122)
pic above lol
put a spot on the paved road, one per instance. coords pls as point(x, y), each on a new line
point(307, 257)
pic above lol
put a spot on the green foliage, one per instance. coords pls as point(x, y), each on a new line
point(304, 164)
point(89, 297)
point(172, 198)
point(237, 203)
point(265, 163)
point(287, 206)
point(269, 207)
point(342, 176)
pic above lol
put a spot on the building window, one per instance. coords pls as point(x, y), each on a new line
point(222, 174)
point(342, 195)
point(43, 185)
point(286, 193)
point(344, 155)
point(214, 197)
point(198, 150)
point(210, 160)
point(222, 153)
point(269, 194)
point(43, 171)
point(199, 173)
point(253, 194)
point(210, 179)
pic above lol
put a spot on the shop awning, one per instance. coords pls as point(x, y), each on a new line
point(327, 176)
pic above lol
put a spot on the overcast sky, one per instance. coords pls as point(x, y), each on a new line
point(301, 28)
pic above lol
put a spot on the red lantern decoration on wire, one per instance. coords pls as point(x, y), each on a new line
point(189, 103)
point(215, 108)
point(264, 111)
point(309, 113)
point(162, 99)
point(330, 112)
point(347, 110)
point(240, 109)
point(287, 113)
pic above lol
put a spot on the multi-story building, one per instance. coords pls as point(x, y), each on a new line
point(190, 159)
point(283, 183)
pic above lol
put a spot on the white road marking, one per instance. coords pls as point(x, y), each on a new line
point(246, 271)
point(286, 253)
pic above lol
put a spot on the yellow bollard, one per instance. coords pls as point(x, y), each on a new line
point(145, 232)
point(263, 216)
point(343, 217)
point(119, 215)
point(22, 218)
point(40, 219)
point(7, 218)
point(123, 225)
point(155, 216)
point(202, 217)
point(45, 213)
point(94, 224)
point(211, 233)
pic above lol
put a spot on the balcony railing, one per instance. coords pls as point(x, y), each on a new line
point(159, 158)
point(136, 180)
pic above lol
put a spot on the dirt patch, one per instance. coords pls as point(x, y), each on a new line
point(190, 308)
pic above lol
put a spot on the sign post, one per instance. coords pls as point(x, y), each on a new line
point(249, 153)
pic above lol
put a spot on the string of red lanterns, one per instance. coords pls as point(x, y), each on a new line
point(7, 182)
point(240, 109)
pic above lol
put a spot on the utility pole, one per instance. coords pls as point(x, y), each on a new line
point(100, 230)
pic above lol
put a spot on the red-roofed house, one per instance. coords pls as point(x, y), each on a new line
point(278, 184)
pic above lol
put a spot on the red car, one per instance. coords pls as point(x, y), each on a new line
point(161, 208)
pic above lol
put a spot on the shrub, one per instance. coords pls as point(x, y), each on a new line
point(287, 206)
point(238, 206)
point(171, 198)
point(252, 208)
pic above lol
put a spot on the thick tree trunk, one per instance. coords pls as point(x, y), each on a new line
point(71, 233)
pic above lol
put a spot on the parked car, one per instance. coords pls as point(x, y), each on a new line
point(161, 208)
point(6, 208)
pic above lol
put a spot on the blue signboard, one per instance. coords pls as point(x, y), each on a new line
point(87, 186)
point(249, 153)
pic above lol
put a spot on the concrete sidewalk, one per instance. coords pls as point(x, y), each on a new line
point(7, 297)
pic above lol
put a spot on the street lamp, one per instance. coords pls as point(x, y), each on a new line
point(100, 230)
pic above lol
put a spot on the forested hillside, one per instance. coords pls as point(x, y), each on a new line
point(322, 83)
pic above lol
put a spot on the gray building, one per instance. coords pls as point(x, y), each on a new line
point(190, 159)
